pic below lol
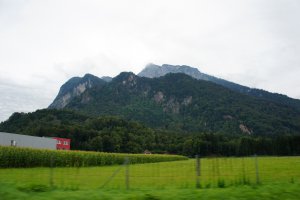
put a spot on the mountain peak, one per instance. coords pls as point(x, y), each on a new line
point(87, 75)
point(152, 70)
point(75, 87)
point(125, 76)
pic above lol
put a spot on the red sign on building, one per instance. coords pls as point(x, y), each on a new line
point(63, 143)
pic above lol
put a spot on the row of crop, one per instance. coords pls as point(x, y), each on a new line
point(27, 157)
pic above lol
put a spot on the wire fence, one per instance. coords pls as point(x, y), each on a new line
point(192, 173)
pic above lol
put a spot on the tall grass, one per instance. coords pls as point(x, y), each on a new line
point(12, 157)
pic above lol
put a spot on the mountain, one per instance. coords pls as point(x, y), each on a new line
point(75, 87)
point(154, 71)
point(107, 78)
point(179, 102)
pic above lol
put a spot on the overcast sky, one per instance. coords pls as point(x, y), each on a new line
point(44, 43)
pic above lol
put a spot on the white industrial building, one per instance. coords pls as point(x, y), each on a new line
point(11, 139)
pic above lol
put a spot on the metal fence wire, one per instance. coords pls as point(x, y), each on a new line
point(193, 173)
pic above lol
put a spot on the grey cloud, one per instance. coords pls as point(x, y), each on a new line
point(44, 43)
point(20, 99)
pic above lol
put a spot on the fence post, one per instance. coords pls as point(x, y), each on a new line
point(127, 173)
point(256, 170)
point(197, 172)
point(51, 172)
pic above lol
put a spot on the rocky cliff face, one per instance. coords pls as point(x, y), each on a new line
point(74, 88)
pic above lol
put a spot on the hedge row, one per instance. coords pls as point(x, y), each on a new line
point(27, 157)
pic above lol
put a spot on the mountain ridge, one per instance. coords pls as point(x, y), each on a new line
point(152, 71)
point(76, 85)
point(180, 102)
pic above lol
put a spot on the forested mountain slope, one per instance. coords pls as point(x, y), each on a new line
point(154, 71)
point(180, 102)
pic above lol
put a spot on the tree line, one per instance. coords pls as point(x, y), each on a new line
point(113, 134)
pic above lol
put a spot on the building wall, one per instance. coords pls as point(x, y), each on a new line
point(27, 141)
point(63, 143)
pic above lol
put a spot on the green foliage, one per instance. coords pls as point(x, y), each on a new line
point(113, 134)
point(26, 157)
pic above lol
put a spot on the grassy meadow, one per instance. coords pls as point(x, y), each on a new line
point(214, 173)
point(220, 178)
point(281, 191)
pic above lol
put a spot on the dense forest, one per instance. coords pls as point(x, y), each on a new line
point(113, 134)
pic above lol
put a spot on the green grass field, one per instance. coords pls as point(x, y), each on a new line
point(279, 177)
point(287, 191)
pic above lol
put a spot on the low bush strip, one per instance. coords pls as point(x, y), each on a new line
point(17, 157)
